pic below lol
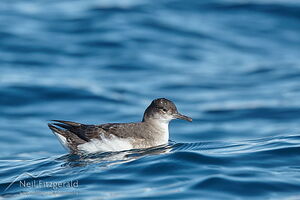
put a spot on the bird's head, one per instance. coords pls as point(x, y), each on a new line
point(163, 110)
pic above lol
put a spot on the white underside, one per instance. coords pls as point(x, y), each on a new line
point(62, 140)
point(110, 143)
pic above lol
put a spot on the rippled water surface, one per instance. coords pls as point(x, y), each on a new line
point(232, 65)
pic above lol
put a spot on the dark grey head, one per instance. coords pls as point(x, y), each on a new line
point(164, 110)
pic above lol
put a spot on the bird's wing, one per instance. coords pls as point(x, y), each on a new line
point(83, 131)
point(88, 132)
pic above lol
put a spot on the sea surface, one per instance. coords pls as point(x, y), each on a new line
point(232, 65)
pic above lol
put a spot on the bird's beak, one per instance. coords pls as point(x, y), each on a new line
point(180, 116)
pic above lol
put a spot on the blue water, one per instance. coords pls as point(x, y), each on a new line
point(232, 65)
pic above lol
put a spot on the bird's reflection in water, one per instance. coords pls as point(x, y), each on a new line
point(105, 159)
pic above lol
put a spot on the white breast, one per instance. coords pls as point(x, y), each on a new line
point(162, 129)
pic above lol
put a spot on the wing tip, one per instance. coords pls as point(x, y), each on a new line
point(70, 123)
point(56, 129)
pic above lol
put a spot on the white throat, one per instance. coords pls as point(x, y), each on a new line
point(162, 128)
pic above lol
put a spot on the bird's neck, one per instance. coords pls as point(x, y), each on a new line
point(160, 131)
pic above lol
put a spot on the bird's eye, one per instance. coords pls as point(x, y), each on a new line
point(163, 109)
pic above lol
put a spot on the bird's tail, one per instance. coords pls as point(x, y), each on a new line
point(69, 140)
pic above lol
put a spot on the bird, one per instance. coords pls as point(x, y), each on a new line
point(152, 131)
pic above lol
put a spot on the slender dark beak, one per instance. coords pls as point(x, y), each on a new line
point(180, 116)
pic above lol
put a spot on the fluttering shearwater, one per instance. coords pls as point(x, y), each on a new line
point(152, 131)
